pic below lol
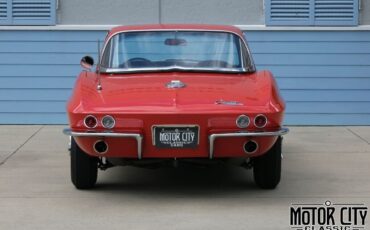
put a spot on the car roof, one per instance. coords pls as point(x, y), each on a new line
point(200, 27)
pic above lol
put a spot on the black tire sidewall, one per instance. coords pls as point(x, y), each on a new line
point(84, 168)
point(267, 168)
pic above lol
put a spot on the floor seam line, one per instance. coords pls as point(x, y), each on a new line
point(358, 136)
point(25, 142)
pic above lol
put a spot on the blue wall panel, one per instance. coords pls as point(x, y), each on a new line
point(324, 76)
point(38, 70)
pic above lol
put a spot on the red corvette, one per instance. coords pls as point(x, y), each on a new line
point(167, 94)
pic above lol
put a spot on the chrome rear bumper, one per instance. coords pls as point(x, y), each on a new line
point(138, 137)
point(212, 137)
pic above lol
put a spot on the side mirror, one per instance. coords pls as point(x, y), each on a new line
point(87, 62)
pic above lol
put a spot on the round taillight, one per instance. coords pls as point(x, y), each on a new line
point(108, 122)
point(90, 121)
point(242, 121)
point(260, 121)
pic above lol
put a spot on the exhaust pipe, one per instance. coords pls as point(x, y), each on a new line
point(101, 147)
point(250, 147)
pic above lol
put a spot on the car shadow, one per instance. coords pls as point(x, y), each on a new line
point(213, 181)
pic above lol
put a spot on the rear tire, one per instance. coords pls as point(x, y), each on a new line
point(267, 168)
point(84, 168)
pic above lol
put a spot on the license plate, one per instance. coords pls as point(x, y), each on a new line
point(176, 137)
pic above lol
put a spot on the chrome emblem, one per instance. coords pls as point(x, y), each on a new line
point(174, 84)
point(232, 103)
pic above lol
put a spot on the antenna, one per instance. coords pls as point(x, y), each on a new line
point(98, 87)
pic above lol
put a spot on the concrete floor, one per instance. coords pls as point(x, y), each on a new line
point(320, 163)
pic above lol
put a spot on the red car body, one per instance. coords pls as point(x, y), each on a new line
point(140, 101)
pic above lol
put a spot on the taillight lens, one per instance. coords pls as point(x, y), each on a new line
point(90, 121)
point(260, 121)
point(242, 121)
point(108, 122)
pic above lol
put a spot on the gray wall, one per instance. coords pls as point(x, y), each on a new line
point(114, 12)
point(213, 11)
point(365, 12)
point(109, 12)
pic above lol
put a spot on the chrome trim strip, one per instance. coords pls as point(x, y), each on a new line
point(244, 68)
point(173, 68)
point(213, 137)
point(138, 137)
point(231, 103)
